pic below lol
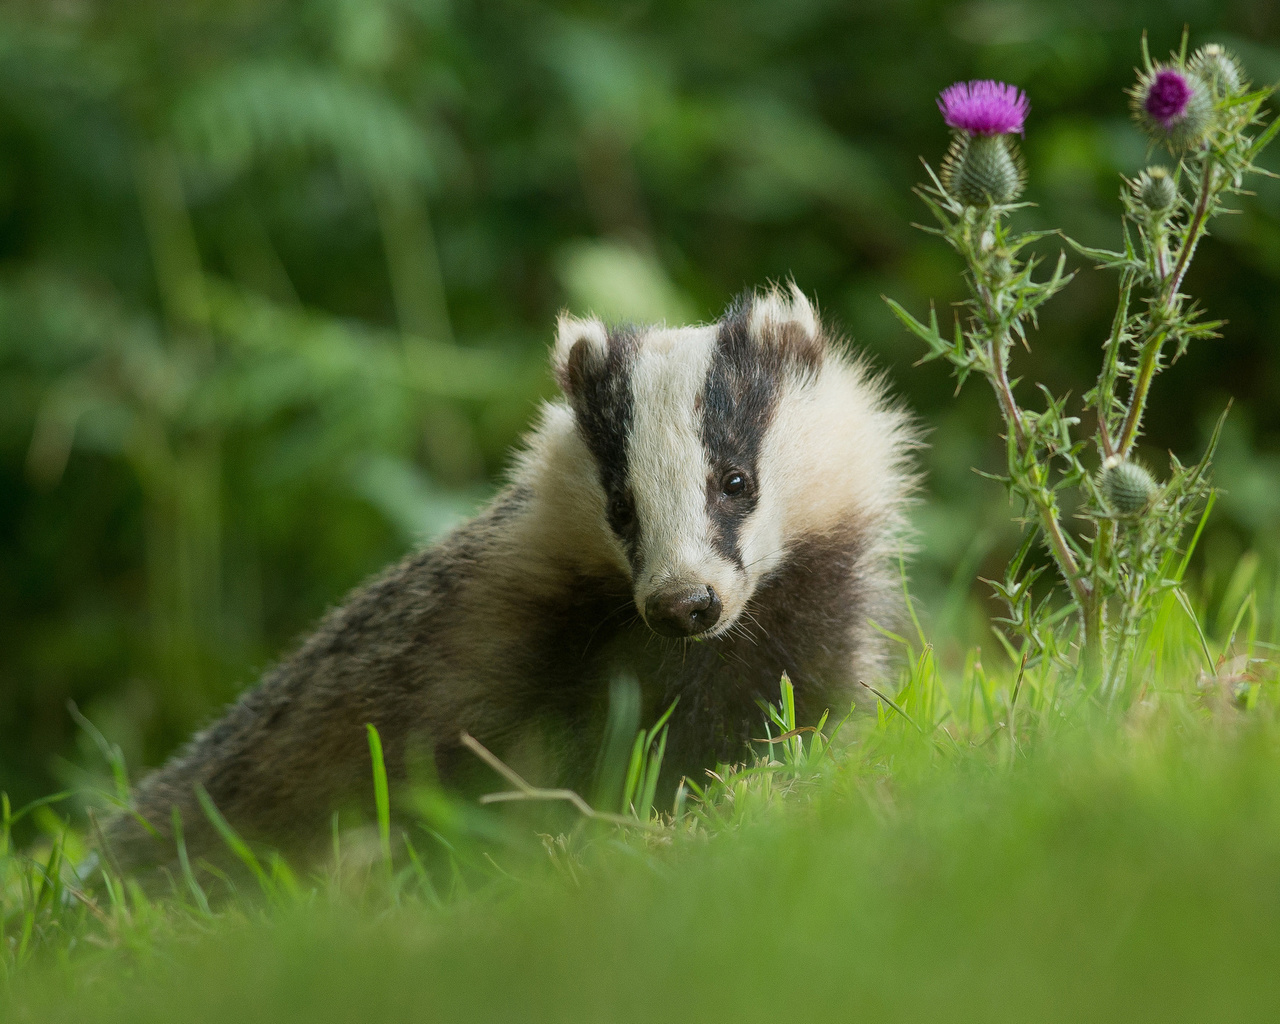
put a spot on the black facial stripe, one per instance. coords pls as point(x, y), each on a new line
point(622, 520)
point(740, 397)
point(604, 406)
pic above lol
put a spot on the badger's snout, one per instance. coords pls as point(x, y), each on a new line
point(683, 611)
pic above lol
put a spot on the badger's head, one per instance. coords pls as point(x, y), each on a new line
point(717, 447)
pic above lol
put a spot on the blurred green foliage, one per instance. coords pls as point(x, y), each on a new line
point(276, 281)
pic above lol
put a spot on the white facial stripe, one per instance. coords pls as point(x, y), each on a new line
point(668, 465)
point(763, 537)
point(831, 458)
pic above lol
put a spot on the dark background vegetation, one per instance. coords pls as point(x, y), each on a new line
point(276, 282)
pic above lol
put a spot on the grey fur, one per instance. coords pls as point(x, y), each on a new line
point(511, 629)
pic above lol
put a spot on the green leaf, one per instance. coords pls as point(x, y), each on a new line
point(938, 345)
point(1264, 138)
point(1105, 258)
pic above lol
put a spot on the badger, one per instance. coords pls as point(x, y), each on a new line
point(705, 509)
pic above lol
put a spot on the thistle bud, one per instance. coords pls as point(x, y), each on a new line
point(1219, 70)
point(1173, 106)
point(1127, 487)
point(983, 165)
point(982, 169)
point(1156, 191)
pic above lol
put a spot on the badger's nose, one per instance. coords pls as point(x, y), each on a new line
point(684, 612)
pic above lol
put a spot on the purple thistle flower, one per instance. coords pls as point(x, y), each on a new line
point(1173, 106)
point(984, 107)
point(1168, 96)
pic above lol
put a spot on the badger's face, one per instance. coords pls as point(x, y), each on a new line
point(695, 460)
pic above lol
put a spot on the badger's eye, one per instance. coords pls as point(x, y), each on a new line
point(620, 510)
point(734, 482)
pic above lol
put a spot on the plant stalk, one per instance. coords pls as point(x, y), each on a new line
point(1068, 567)
point(1095, 611)
point(1166, 311)
point(1061, 550)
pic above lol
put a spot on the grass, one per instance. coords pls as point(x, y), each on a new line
point(987, 845)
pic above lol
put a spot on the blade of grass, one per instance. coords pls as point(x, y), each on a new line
point(111, 753)
point(891, 703)
point(26, 809)
point(233, 841)
point(1211, 666)
point(202, 901)
point(381, 795)
point(1195, 537)
point(651, 782)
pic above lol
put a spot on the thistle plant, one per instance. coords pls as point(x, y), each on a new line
point(1118, 558)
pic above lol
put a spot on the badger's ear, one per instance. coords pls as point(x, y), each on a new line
point(787, 320)
point(581, 348)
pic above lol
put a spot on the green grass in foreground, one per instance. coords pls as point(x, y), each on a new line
point(963, 856)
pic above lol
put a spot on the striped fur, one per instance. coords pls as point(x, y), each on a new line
point(513, 626)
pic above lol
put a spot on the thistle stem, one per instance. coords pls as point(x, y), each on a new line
point(1106, 389)
point(1195, 230)
point(1147, 363)
point(1095, 612)
point(1068, 567)
point(1061, 550)
point(1004, 391)
point(1167, 308)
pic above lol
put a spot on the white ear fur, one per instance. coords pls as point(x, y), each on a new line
point(569, 331)
point(777, 308)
